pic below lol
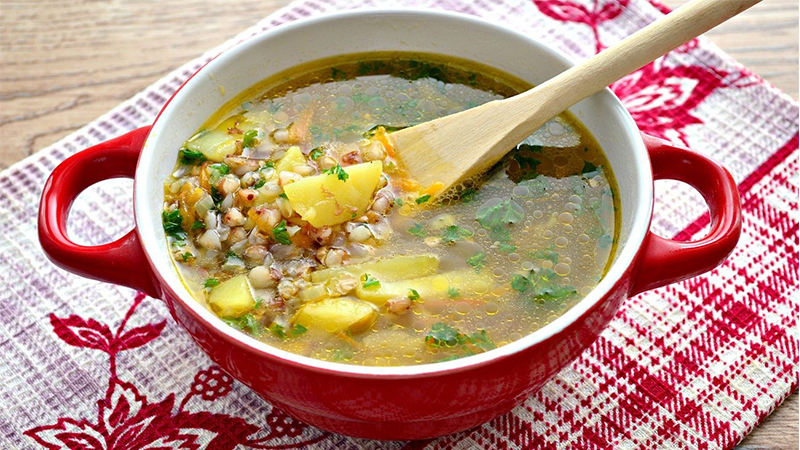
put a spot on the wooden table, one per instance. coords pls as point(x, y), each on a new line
point(63, 63)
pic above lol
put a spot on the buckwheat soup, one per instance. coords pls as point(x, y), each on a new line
point(289, 217)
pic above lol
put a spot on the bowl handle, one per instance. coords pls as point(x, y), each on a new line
point(122, 261)
point(666, 261)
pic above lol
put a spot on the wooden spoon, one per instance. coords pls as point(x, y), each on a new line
point(454, 147)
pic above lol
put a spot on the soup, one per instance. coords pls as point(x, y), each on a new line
point(289, 218)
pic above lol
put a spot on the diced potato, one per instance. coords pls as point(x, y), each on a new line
point(313, 292)
point(326, 200)
point(217, 143)
point(466, 281)
point(292, 158)
point(232, 298)
point(389, 269)
point(337, 315)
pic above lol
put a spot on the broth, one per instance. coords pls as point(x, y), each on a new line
point(289, 218)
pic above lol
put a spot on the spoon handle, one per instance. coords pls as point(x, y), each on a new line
point(628, 55)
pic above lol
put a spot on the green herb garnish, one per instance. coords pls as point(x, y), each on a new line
point(187, 256)
point(468, 195)
point(503, 213)
point(506, 248)
point(216, 196)
point(413, 294)
point(210, 282)
point(423, 199)
point(198, 224)
point(259, 183)
point(277, 330)
point(443, 336)
point(247, 323)
point(338, 171)
point(298, 329)
point(280, 233)
point(220, 168)
point(315, 153)
point(477, 261)
point(190, 157)
point(520, 283)
point(283, 195)
point(453, 292)
point(454, 233)
point(370, 282)
point(172, 224)
point(417, 230)
point(250, 138)
point(398, 201)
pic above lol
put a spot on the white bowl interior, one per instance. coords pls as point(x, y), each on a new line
point(381, 30)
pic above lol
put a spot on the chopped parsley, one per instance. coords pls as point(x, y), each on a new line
point(216, 195)
point(453, 292)
point(521, 283)
point(277, 330)
point(283, 195)
point(495, 216)
point(259, 184)
point(280, 332)
point(454, 233)
point(231, 254)
point(506, 248)
point(172, 224)
point(210, 282)
point(315, 153)
point(187, 256)
point(198, 224)
point(445, 337)
point(418, 230)
point(250, 138)
point(477, 261)
point(398, 201)
point(468, 195)
point(220, 168)
point(190, 157)
point(423, 199)
point(338, 171)
point(280, 233)
point(413, 294)
point(370, 282)
point(542, 286)
point(247, 323)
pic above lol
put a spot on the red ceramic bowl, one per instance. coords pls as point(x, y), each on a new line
point(389, 402)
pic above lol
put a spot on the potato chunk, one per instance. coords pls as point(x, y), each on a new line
point(389, 269)
point(292, 158)
point(217, 143)
point(327, 200)
point(337, 314)
point(232, 298)
point(466, 282)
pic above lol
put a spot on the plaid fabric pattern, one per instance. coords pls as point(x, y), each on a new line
point(697, 364)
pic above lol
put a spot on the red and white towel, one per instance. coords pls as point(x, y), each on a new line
point(87, 365)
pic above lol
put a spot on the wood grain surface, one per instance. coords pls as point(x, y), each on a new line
point(64, 63)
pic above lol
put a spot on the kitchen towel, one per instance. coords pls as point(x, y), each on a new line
point(698, 364)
